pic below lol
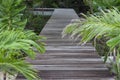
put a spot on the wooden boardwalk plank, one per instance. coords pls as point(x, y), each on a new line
point(64, 59)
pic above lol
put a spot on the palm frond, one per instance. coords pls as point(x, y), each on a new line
point(18, 40)
point(95, 26)
point(12, 66)
point(13, 45)
point(10, 14)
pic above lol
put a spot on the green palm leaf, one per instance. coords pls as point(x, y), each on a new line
point(12, 66)
point(96, 26)
point(13, 45)
point(18, 40)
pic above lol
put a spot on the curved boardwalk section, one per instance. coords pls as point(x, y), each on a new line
point(64, 60)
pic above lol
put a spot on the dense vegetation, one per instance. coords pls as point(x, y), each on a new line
point(101, 28)
point(16, 42)
point(34, 22)
point(97, 5)
point(18, 24)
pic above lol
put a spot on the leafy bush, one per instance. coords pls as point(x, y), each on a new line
point(42, 3)
point(49, 3)
point(36, 23)
point(10, 14)
point(95, 27)
point(16, 42)
point(13, 45)
point(96, 5)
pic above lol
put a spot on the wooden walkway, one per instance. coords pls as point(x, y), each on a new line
point(64, 60)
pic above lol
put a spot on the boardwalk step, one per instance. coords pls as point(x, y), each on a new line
point(67, 61)
point(69, 67)
point(73, 74)
point(77, 79)
point(64, 59)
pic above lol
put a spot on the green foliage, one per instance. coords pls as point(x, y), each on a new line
point(10, 14)
point(42, 3)
point(21, 42)
point(96, 5)
point(101, 46)
point(33, 3)
point(97, 26)
point(36, 23)
point(37, 3)
point(49, 3)
point(17, 43)
point(12, 66)
point(13, 44)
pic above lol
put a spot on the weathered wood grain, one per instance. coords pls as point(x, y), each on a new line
point(64, 58)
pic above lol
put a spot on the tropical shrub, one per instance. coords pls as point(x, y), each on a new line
point(97, 26)
point(13, 44)
point(97, 5)
point(20, 41)
point(36, 23)
point(50, 3)
point(42, 3)
point(10, 14)
point(16, 42)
